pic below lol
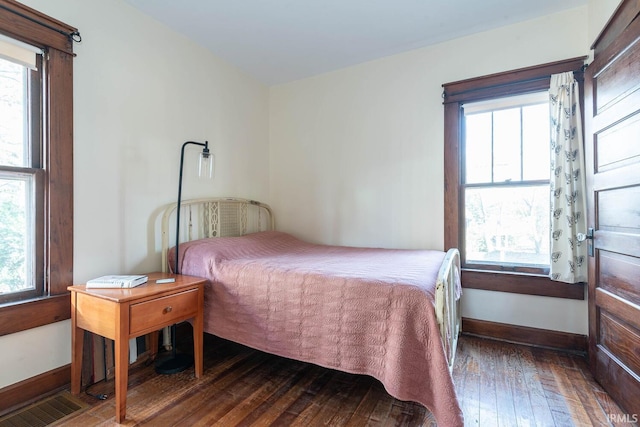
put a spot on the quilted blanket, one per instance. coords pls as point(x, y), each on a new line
point(359, 310)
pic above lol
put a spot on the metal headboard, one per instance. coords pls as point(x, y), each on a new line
point(214, 217)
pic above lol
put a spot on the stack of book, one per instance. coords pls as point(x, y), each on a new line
point(117, 281)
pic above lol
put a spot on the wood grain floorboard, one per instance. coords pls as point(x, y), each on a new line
point(498, 384)
point(469, 389)
point(488, 390)
point(506, 409)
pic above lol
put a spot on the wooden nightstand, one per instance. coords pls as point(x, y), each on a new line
point(121, 314)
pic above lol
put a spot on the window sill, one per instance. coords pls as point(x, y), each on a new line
point(520, 284)
point(23, 315)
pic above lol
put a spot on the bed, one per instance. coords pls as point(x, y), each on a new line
point(392, 314)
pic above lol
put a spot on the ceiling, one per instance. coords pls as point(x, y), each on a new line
point(278, 41)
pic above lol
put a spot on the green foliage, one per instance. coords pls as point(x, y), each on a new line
point(12, 239)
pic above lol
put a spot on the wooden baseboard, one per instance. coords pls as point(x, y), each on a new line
point(26, 392)
point(565, 341)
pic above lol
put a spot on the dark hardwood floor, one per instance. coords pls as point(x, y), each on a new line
point(499, 384)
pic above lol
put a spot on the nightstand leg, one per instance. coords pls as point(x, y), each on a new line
point(77, 343)
point(198, 339)
point(122, 372)
point(198, 335)
point(153, 343)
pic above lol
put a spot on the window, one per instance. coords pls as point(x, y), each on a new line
point(505, 183)
point(21, 204)
point(497, 179)
point(36, 168)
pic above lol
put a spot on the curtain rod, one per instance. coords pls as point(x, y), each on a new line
point(503, 84)
point(74, 35)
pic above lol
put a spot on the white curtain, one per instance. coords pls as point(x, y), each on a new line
point(568, 203)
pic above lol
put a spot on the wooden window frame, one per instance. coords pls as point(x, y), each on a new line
point(510, 83)
point(55, 38)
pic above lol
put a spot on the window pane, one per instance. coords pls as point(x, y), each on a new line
point(535, 142)
point(17, 228)
point(506, 145)
point(13, 114)
point(508, 225)
point(16, 233)
point(478, 148)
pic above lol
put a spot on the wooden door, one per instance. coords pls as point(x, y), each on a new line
point(612, 143)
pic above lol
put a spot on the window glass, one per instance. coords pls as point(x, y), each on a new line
point(507, 225)
point(506, 145)
point(13, 109)
point(535, 128)
point(17, 182)
point(16, 233)
point(478, 148)
point(506, 182)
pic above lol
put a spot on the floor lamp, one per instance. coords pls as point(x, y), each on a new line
point(178, 362)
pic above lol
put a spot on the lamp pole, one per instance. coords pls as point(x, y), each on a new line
point(179, 362)
point(205, 154)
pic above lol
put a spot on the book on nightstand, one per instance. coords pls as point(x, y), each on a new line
point(117, 281)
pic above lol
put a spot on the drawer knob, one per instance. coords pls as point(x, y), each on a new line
point(167, 309)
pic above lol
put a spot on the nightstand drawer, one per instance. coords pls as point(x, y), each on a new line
point(163, 311)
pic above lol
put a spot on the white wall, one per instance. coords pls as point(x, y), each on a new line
point(140, 91)
point(357, 154)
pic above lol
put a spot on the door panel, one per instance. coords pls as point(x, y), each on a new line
point(613, 84)
point(615, 137)
point(611, 303)
point(618, 209)
point(612, 153)
point(617, 337)
point(620, 275)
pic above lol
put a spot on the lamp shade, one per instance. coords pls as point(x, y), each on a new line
point(206, 164)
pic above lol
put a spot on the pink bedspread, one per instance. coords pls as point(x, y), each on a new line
point(363, 311)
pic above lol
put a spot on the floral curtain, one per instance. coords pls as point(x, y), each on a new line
point(568, 204)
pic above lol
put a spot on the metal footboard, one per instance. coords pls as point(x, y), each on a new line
point(448, 312)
